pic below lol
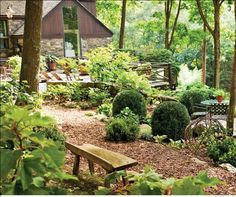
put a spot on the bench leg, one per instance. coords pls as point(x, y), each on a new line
point(91, 167)
point(76, 165)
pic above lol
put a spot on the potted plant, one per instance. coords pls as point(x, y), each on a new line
point(52, 62)
point(68, 64)
point(219, 95)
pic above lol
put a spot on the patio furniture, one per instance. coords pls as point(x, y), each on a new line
point(109, 160)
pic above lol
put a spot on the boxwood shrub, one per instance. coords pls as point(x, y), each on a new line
point(192, 97)
point(132, 99)
point(170, 118)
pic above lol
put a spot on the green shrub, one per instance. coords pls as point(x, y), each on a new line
point(105, 109)
point(54, 134)
point(78, 93)
point(223, 151)
point(61, 93)
point(97, 95)
point(132, 99)
point(124, 127)
point(116, 129)
point(170, 118)
point(192, 97)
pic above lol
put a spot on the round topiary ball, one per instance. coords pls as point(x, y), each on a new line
point(192, 97)
point(170, 118)
point(132, 99)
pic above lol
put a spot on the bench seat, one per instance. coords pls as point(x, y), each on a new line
point(108, 160)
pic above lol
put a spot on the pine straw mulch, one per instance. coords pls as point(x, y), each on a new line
point(170, 162)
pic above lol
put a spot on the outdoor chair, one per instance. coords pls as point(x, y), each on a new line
point(200, 110)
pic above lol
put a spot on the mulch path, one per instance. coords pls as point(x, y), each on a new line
point(168, 161)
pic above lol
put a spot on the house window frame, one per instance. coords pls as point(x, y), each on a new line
point(6, 37)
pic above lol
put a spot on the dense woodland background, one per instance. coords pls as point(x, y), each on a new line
point(145, 29)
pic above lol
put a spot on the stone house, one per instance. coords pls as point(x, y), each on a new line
point(69, 28)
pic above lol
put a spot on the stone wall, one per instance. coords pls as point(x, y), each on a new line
point(91, 43)
point(53, 47)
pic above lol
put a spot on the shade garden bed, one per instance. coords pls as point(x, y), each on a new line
point(170, 162)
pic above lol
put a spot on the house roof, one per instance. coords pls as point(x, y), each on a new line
point(18, 7)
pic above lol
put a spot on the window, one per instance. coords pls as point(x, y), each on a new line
point(4, 39)
point(71, 31)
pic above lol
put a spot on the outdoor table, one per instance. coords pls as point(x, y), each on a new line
point(214, 102)
point(215, 107)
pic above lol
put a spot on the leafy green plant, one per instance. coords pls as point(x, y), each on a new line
point(97, 95)
point(190, 98)
point(151, 183)
point(14, 93)
point(131, 80)
point(105, 109)
point(68, 64)
point(170, 118)
point(124, 127)
point(131, 99)
point(51, 58)
point(223, 151)
point(28, 159)
point(60, 93)
point(105, 65)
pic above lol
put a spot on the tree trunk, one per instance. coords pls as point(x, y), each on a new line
point(167, 23)
point(232, 102)
point(204, 57)
point(31, 47)
point(122, 25)
point(216, 38)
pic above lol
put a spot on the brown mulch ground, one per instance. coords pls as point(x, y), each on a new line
point(169, 162)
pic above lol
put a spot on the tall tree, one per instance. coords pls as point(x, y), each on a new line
point(169, 35)
point(122, 25)
point(31, 47)
point(232, 103)
point(215, 34)
point(204, 57)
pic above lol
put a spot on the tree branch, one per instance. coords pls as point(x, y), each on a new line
point(221, 2)
point(171, 3)
point(175, 23)
point(199, 6)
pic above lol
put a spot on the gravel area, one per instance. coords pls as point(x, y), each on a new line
point(170, 162)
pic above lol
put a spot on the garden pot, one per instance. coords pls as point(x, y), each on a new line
point(52, 66)
point(219, 98)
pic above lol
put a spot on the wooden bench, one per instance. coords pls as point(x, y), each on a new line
point(108, 160)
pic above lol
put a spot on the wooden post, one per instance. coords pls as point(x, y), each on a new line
point(91, 167)
point(76, 165)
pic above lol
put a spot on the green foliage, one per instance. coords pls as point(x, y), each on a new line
point(131, 80)
point(190, 98)
point(97, 96)
point(170, 118)
point(158, 55)
point(106, 109)
point(223, 151)
point(132, 99)
point(124, 127)
point(28, 159)
point(105, 65)
point(51, 58)
point(60, 93)
point(68, 63)
point(14, 93)
point(78, 93)
point(151, 183)
point(116, 130)
point(54, 134)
